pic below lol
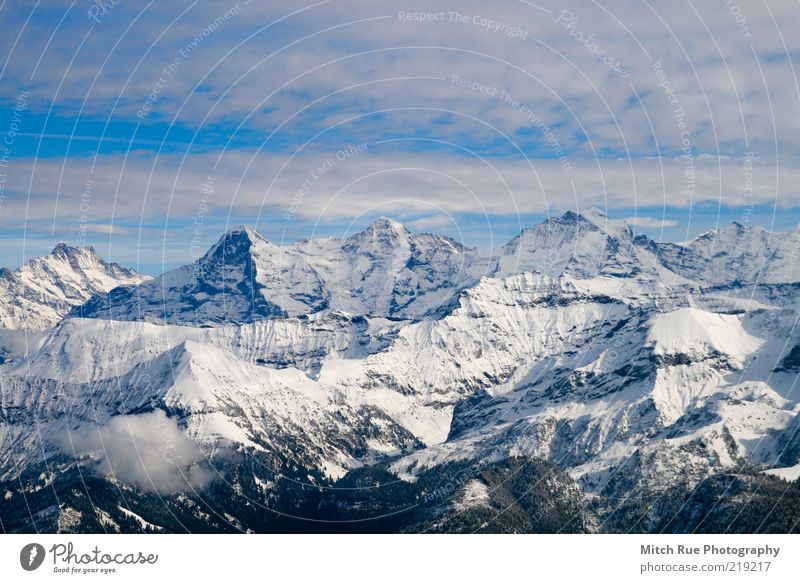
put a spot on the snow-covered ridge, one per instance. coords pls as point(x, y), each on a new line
point(388, 271)
point(382, 271)
point(737, 255)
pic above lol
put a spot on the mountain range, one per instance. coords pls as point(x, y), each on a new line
point(580, 378)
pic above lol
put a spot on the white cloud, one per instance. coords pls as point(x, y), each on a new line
point(360, 57)
point(431, 222)
point(650, 222)
point(148, 450)
point(265, 187)
point(94, 228)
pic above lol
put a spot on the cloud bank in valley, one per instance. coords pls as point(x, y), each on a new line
point(148, 450)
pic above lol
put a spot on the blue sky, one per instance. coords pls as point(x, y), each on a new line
point(146, 129)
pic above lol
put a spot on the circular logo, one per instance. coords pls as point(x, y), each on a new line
point(31, 556)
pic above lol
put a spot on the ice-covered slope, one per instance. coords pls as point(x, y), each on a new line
point(588, 244)
point(45, 289)
point(382, 271)
point(222, 401)
point(655, 400)
point(589, 374)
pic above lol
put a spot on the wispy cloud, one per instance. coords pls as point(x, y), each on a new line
point(650, 222)
point(431, 222)
point(277, 64)
point(277, 190)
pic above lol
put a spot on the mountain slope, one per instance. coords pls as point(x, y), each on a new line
point(221, 402)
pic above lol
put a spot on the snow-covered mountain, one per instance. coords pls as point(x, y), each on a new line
point(45, 289)
point(383, 271)
point(582, 245)
point(737, 255)
point(633, 370)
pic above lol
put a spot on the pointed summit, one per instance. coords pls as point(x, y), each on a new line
point(243, 231)
point(237, 240)
point(386, 225)
point(65, 251)
point(593, 214)
point(383, 232)
point(60, 249)
point(615, 228)
point(594, 211)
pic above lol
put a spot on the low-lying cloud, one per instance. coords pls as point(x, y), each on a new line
point(650, 222)
point(148, 450)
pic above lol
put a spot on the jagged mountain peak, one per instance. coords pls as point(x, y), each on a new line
point(590, 214)
point(242, 232)
point(382, 224)
point(62, 248)
point(582, 244)
point(733, 229)
point(237, 241)
point(593, 218)
point(596, 217)
point(381, 230)
point(45, 289)
point(735, 254)
point(67, 251)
